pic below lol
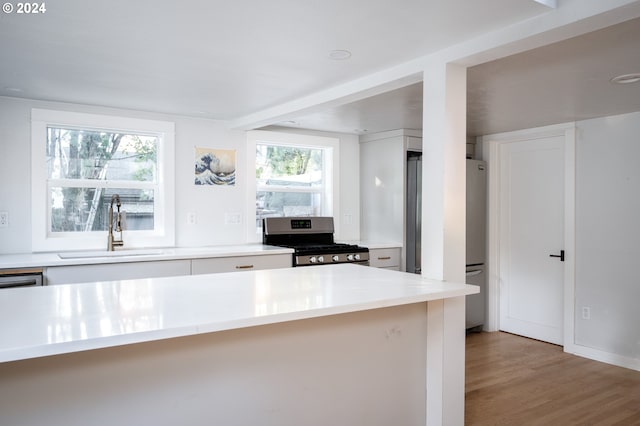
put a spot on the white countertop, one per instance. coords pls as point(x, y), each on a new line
point(49, 320)
point(33, 260)
point(374, 245)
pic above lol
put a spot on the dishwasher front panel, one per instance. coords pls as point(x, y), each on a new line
point(20, 278)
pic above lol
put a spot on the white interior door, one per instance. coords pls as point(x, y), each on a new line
point(531, 229)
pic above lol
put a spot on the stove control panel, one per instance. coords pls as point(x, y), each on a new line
point(306, 260)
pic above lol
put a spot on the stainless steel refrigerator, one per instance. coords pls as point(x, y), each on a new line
point(476, 242)
point(414, 211)
point(476, 223)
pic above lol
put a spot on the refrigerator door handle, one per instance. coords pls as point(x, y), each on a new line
point(561, 255)
point(474, 272)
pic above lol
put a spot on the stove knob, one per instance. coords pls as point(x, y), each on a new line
point(350, 257)
point(312, 259)
point(335, 258)
point(320, 259)
point(357, 257)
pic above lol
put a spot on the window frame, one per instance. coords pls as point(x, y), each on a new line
point(163, 234)
point(330, 196)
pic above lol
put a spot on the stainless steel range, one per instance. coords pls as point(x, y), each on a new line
point(312, 241)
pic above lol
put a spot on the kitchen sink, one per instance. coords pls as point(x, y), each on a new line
point(105, 253)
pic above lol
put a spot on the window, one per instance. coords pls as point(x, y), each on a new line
point(294, 175)
point(290, 180)
point(80, 161)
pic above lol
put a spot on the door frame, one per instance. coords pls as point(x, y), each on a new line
point(491, 153)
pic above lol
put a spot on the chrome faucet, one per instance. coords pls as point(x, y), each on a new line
point(112, 241)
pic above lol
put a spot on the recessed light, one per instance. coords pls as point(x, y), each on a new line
point(339, 55)
point(626, 78)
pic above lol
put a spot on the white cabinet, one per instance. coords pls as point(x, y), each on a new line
point(240, 263)
point(387, 258)
point(116, 271)
point(383, 176)
point(71, 274)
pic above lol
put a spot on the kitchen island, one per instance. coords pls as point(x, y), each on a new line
point(340, 344)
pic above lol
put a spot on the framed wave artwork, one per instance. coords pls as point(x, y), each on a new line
point(215, 167)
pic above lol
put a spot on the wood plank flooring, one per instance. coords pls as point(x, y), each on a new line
point(512, 380)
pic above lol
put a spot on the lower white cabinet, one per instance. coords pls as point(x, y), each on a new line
point(55, 275)
point(387, 258)
point(240, 263)
point(116, 271)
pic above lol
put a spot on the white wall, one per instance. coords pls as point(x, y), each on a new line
point(608, 234)
point(15, 175)
point(210, 204)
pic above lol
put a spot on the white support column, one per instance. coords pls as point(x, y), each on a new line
point(443, 235)
point(444, 172)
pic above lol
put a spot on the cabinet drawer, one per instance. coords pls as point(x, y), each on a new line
point(240, 263)
point(384, 258)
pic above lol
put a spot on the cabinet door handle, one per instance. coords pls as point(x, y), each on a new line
point(244, 266)
point(384, 258)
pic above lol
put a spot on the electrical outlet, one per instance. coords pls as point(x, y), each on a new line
point(586, 312)
point(192, 218)
point(4, 219)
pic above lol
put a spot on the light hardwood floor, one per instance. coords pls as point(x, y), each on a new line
point(512, 380)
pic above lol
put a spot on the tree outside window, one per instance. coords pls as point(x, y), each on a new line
point(86, 167)
point(290, 180)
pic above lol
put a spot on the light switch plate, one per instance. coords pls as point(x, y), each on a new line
point(4, 219)
point(232, 218)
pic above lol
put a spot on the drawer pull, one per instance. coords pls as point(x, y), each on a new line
point(384, 258)
point(244, 266)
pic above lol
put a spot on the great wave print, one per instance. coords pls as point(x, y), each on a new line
point(215, 167)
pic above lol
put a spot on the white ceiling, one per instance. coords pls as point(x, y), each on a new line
point(557, 83)
point(228, 60)
point(225, 59)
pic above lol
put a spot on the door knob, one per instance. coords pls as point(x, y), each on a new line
point(561, 255)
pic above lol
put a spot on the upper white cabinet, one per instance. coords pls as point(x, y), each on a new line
point(383, 176)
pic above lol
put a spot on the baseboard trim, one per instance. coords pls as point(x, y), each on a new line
point(602, 356)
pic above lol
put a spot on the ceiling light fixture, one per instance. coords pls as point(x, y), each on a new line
point(339, 55)
point(626, 78)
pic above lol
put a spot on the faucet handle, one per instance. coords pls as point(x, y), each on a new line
point(121, 221)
